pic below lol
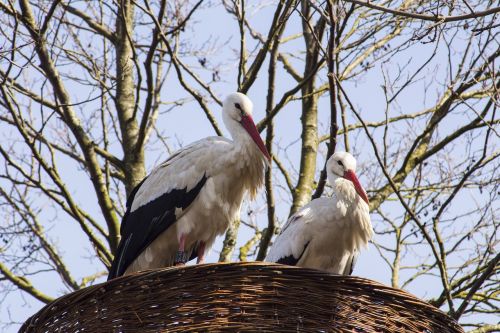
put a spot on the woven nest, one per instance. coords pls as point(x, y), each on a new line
point(239, 297)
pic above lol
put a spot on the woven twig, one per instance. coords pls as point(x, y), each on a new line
point(239, 297)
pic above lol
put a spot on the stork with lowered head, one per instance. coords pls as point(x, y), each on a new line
point(328, 233)
point(176, 212)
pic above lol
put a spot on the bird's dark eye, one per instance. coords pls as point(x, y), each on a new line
point(340, 163)
point(238, 106)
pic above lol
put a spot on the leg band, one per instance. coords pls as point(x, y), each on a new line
point(180, 257)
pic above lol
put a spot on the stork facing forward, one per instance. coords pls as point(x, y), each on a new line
point(328, 233)
point(176, 212)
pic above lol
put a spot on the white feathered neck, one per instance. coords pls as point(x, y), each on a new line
point(352, 205)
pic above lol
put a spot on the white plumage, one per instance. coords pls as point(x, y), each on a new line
point(193, 196)
point(328, 233)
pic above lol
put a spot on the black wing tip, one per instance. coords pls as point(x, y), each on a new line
point(291, 260)
point(288, 260)
point(353, 262)
point(114, 271)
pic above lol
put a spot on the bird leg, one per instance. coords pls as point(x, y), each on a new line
point(181, 255)
point(201, 253)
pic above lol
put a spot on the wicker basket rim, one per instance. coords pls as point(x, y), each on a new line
point(239, 268)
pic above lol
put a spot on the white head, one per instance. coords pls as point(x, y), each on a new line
point(237, 104)
point(342, 164)
point(237, 115)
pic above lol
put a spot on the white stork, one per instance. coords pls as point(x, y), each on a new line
point(176, 212)
point(328, 233)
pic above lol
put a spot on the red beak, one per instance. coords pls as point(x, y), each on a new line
point(249, 126)
point(350, 175)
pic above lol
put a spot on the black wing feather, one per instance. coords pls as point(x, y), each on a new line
point(142, 226)
point(353, 258)
point(291, 260)
point(128, 206)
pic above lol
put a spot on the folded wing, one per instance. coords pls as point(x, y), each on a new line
point(161, 198)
